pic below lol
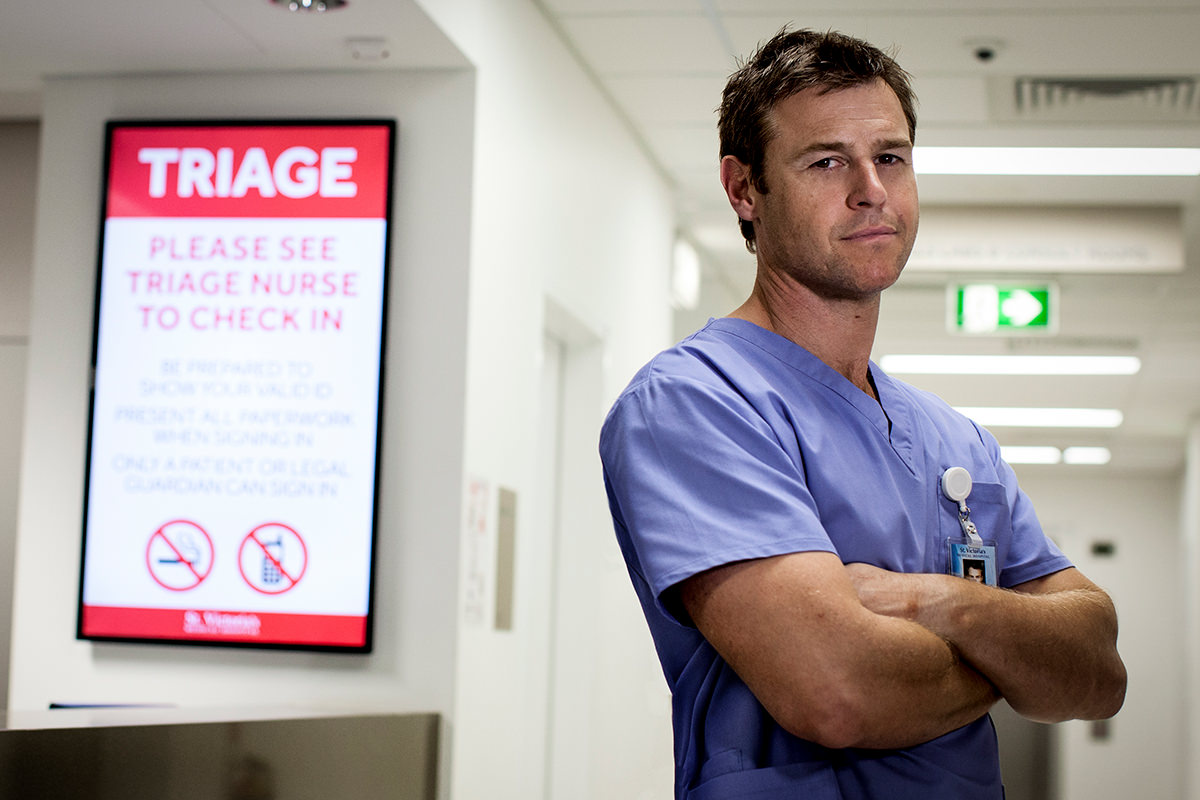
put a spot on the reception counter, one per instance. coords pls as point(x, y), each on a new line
point(217, 754)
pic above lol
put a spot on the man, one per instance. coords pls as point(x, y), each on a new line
point(779, 500)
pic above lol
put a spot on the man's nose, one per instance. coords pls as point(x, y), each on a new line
point(867, 189)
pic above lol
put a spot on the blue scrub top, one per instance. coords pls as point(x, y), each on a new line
point(739, 444)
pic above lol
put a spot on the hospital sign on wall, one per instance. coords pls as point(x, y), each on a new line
point(232, 476)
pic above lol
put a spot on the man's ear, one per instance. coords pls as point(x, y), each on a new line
point(735, 177)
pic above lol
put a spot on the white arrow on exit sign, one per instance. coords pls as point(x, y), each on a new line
point(1020, 308)
point(983, 308)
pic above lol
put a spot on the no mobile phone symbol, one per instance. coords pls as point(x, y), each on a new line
point(272, 558)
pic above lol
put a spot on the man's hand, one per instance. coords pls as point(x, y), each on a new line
point(1048, 645)
point(893, 594)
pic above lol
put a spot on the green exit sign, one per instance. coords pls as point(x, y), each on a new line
point(1003, 308)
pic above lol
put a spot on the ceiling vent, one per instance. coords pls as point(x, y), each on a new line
point(1150, 99)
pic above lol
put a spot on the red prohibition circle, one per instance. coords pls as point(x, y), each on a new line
point(181, 559)
point(292, 580)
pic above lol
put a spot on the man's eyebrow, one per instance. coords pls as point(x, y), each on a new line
point(842, 147)
point(816, 147)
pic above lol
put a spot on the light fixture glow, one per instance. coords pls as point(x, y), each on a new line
point(1113, 161)
point(685, 276)
point(1045, 454)
point(311, 5)
point(1019, 454)
point(1086, 455)
point(920, 364)
point(1043, 417)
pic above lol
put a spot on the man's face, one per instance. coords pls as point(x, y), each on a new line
point(975, 574)
point(840, 214)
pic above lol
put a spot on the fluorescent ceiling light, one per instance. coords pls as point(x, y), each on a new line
point(1037, 454)
point(917, 364)
point(1031, 455)
point(1143, 161)
point(1086, 455)
point(1044, 417)
point(685, 276)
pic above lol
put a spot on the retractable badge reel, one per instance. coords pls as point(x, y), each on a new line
point(970, 556)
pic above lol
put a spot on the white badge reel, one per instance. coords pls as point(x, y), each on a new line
point(970, 556)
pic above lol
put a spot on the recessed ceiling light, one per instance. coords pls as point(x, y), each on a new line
point(922, 364)
point(311, 5)
point(1044, 417)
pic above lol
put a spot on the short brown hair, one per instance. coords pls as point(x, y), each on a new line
point(791, 61)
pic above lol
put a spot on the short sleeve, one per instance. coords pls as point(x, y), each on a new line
point(697, 478)
point(1030, 553)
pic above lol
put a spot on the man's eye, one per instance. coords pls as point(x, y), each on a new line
point(890, 158)
point(824, 163)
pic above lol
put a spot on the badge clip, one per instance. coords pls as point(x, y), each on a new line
point(956, 485)
point(971, 557)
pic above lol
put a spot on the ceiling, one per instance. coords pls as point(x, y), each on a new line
point(663, 63)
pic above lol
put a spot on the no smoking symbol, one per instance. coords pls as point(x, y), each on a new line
point(272, 558)
point(179, 555)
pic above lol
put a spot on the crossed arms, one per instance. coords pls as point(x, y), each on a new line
point(856, 656)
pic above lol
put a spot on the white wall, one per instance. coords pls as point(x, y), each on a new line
point(412, 666)
point(1140, 515)
point(568, 214)
point(1188, 564)
point(18, 180)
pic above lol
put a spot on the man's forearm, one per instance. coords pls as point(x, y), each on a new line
point(911, 687)
point(826, 668)
point(1048, 646)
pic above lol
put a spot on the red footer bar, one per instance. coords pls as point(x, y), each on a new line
point(224, 626)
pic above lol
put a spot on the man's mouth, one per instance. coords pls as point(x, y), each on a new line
point(872, 232)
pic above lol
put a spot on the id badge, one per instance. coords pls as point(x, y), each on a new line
point(971, 557)
point(974, 561)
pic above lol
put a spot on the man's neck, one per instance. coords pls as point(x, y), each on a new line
point(840, 332)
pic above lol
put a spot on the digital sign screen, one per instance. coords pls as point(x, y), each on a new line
point(232, 475)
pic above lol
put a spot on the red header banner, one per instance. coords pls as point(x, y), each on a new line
point(272, 170)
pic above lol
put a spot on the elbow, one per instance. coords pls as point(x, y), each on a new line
point(1111, 695)
point(835, 720)
point(1108, 690)
point(1101, 698)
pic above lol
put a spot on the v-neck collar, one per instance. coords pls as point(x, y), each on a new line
point(891, 415)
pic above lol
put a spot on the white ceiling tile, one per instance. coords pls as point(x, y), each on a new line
point(614, 7)
point(950, 100)
point(669, 99)
point(684, 147)
point(747, 32)
point(740, 7)
point(218, 35)
point(648, 45)
point(1042, 41)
